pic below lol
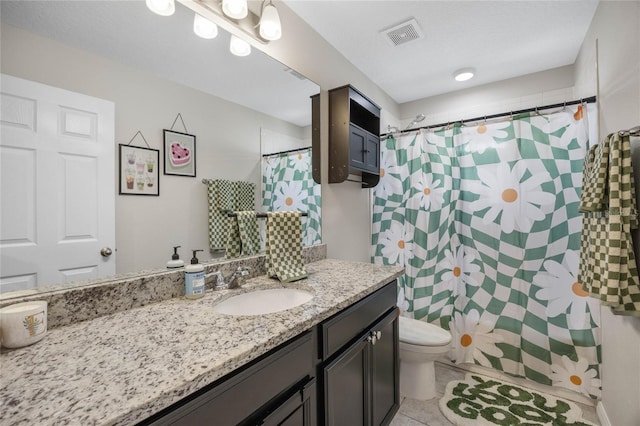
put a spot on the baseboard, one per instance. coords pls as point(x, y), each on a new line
point(602, 414)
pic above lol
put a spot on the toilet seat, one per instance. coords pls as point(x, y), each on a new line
point(415, 332)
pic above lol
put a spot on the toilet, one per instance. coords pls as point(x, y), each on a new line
point(421, 344)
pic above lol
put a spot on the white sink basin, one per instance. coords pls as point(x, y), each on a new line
point(263, 301)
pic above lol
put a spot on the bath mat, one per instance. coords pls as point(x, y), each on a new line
point(479, 401)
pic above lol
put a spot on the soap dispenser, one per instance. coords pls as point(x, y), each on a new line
point(175, 261)
point(194, 278)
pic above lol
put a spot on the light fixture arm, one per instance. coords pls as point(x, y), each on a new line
point(245, 28)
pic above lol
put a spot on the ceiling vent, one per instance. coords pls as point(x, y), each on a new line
point(403, 33)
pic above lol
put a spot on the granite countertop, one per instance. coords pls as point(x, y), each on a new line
point(121, 368)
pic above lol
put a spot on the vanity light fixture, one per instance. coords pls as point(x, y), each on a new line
point(162, 7)
point(232, 16)
point(203, 27)
point(270, 28)
point(236, 9)
point(464, 74)
point(239, 47)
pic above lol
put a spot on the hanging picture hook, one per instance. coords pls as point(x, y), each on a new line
point(181, 120)
point(142, 136)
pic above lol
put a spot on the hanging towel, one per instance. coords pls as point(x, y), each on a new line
point(244, 196)
point(220, 196)
point(283, 257)
point(243, 238)
point(608, 268)
point(226, 196)
point(595, 173)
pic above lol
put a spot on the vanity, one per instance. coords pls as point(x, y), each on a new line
point(331, 360)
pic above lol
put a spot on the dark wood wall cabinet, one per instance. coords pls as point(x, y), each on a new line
point(344, 371)
point(354, 137)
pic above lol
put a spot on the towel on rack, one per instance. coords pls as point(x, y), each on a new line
point(283, 256)
point(244, 196)
point(225, 196)
point(243, 238)
point(220, 197)
point(608, 268)
point(595, 173)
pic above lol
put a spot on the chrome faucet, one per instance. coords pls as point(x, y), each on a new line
point(234, 281)
point(237, 278)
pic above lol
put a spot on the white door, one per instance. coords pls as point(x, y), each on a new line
point(57, 185)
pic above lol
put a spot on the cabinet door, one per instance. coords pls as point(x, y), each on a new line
point(297, 410)
point(372, 153)
point(346, 382)
point(357, 147)
point(385, 369)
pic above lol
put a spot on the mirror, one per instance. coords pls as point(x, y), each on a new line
point(153, 68)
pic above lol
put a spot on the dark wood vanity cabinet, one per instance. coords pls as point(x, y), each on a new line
point(277, 389)
point(354, 136)
point(360, 375)
point(343, 371)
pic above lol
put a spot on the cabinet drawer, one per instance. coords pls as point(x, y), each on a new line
point(230, 402)
point(344, 326)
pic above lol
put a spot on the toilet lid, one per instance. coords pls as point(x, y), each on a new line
point(417, 332)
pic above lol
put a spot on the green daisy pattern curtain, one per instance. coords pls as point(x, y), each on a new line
point(485, 220)
point(287, 184)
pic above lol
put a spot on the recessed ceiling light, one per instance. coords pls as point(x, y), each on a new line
point(464, 74)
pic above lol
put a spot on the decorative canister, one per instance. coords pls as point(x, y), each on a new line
point(23, 324)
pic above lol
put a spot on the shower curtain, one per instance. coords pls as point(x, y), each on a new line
point(485, 220)
point(287, 184)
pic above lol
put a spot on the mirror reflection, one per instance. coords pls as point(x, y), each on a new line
point(148, 69)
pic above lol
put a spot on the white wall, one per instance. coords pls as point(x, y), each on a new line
point(538, 89)
point(616, 27)
point(346, 221)
point(227, 141)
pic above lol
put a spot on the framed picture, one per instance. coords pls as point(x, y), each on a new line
point(139, 170)
point(179, 154)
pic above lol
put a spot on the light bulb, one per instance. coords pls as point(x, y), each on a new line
point(162, 7)
point(463, 74)
point(270, 28)
point(204, 28)
point(236, 9)
point(239, 47)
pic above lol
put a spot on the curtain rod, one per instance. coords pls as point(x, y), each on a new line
point(287, 151)
point(589, 100)
point(261, 215)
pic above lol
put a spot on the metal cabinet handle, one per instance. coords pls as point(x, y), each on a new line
point(106, 252)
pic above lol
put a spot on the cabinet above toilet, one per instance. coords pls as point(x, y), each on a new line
point(354, 137)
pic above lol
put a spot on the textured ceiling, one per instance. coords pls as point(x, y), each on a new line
point(500, 39)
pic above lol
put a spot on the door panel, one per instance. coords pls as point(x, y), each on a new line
point(385, 369)
point(58, 187)
point(346, 382)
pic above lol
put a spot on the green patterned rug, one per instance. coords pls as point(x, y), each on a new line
point(480, 400)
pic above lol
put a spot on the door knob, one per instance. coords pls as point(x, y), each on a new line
point(106, 252)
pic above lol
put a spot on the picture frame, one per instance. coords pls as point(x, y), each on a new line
point(179, 153)
point(139, 170)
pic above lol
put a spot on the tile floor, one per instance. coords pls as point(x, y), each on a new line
point(421, 413)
